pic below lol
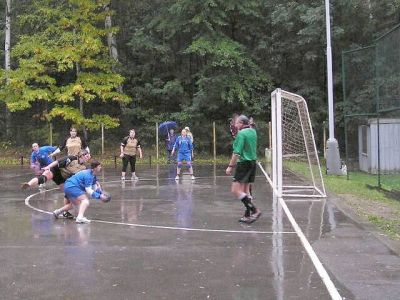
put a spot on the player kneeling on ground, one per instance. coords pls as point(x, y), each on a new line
point(78, 187)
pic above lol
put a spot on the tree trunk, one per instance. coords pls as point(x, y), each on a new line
point(111, 40)
point(7, 64)
point(112, 46)
point(78, 71)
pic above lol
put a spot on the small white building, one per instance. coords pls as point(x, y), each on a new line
point(389, 141)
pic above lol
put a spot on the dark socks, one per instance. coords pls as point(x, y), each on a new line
point(249, 205)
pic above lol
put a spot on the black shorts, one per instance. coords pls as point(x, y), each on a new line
point(245, 171)
point(57, 177)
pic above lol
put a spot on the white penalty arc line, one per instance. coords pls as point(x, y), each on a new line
point(27, 203)
point(190, 229)
point(330, 286)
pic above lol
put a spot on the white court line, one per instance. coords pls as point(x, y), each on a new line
point(330, 286)
point(311, 253)
point(190, 229)
point(173, 178)
point(27, 203)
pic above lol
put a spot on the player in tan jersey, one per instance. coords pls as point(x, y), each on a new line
point(73, 144)
point(130, 146)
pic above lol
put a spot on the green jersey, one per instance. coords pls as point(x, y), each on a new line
point(245, 144)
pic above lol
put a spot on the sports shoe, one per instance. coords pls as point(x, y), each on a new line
point(255, 216)
point(68, 215)
point(42, 186)
point(55, 214)
point(25, 185)
point(192, 177)
point(134, 177)
point(122, 178)
point(246, 217)
point(82, 220)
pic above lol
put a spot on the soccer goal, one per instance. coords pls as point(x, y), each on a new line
point(296, 170)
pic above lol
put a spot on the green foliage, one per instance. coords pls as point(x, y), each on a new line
point(188, 60)
point(63, 59)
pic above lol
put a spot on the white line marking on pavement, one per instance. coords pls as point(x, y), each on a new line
point(27, 203)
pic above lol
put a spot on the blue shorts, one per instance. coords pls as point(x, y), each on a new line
point(72, 192)
point(184, 156)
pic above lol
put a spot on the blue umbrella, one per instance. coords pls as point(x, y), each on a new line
point(166, 126)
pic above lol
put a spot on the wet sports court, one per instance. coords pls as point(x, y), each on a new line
point(162, 239)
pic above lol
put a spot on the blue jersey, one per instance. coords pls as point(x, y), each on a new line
point(42, 156)
point(183, 145)
point(81, 180)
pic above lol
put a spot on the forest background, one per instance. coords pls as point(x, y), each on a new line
point(131, 64)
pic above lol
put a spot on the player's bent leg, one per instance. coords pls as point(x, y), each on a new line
point(237, 188)
point(84, 204)
point(49, 175)
point(62, 210)
point(31, 183)
point(34, 182)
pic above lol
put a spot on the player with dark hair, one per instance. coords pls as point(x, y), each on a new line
point(244, 157)
point(59, 171)
point(73, 144)
point(130, 146)
point(78, 187)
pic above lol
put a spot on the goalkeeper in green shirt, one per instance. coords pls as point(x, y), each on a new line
point(244, 158)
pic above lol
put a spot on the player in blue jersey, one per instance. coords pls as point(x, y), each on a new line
point(40, 157)
point(183, 145)
point(78, 187)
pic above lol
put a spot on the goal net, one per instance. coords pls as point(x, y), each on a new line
point(296, 170)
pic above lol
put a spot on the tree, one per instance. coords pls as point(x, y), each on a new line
point(63, 60)
point(190, 59)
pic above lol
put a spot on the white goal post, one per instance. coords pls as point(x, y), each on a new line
point(296, 170)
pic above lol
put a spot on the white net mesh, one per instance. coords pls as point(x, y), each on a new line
point(300, 168)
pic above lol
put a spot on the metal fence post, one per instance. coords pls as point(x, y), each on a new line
point(157, 140)
point(214, 143)
point(102, 139)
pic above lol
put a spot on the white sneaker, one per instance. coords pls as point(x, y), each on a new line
point(122, 178)
point(134, 177)
point(192, 177)
point(177, 177)
point(82, 220)
point(56, 213)
point(42, 186)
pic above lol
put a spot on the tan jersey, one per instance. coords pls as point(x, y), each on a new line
point(130, 146)
point(73, 145)
point(69, 166)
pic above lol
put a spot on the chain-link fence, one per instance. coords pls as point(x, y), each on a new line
point(371, 89)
